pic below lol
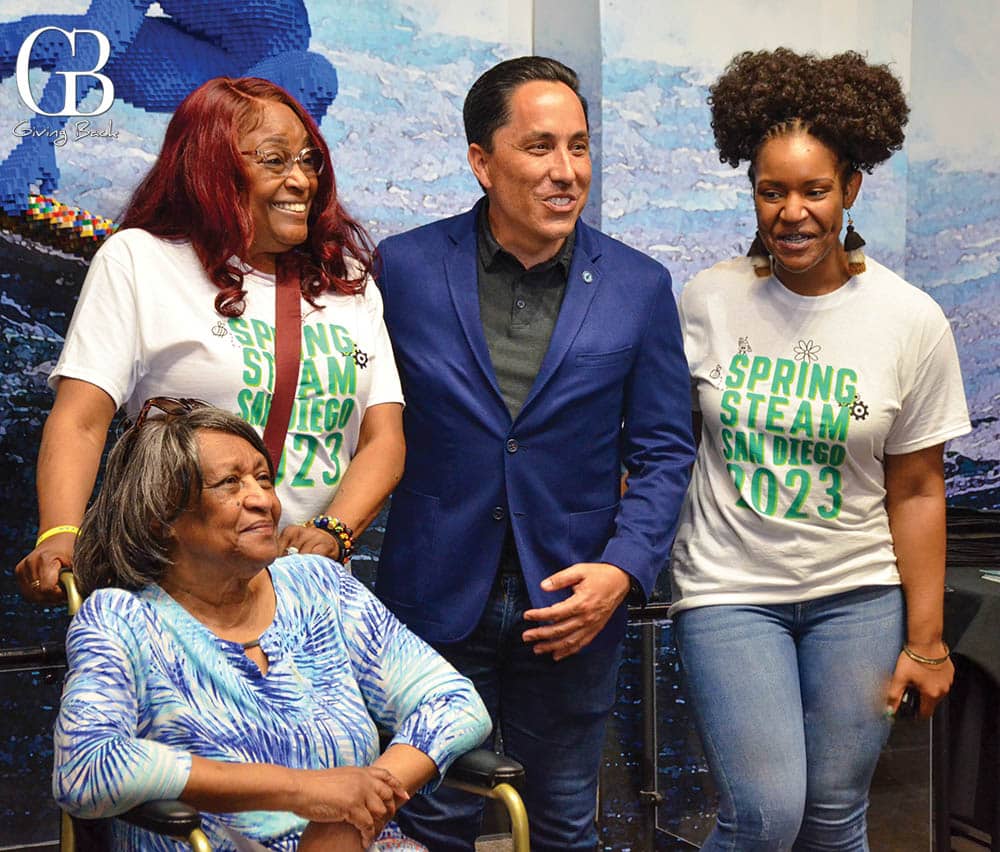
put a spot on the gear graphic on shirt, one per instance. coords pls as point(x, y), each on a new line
point(360, 358)
point(859, 410)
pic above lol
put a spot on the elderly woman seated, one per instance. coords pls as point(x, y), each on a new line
point(204, 668)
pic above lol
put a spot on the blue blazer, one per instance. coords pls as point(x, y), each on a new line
point(612, 389)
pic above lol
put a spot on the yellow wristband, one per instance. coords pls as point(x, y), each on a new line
point(65, 528)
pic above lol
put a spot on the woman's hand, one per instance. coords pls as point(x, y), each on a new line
point(365, 797)
point(68, 459)
point(309, 540)
point(330, 837)
point(933, 682)
point(38, 573)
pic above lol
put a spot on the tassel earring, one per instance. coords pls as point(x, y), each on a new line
point(852, 245)
point(759, 257)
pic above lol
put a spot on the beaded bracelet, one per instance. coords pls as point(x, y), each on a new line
point(928, 661)
point(62, 528)
point(339, 530)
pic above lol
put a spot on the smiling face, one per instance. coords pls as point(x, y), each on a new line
point(800, 197)
point(279, 205)
point(232, 525)
point(537, 174)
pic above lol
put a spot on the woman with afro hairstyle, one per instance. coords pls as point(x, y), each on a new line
point(240, 206)
point(808, 567)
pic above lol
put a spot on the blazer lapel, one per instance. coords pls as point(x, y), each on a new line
point(581, 285)
point(460, 269)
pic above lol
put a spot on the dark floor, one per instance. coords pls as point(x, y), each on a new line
point(899, 815)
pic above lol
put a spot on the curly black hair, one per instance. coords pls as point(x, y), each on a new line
point(856, 108)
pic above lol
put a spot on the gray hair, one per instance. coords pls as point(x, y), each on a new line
point(152, 475)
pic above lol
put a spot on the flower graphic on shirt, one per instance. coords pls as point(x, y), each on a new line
point(360, 358)
point(806, 350)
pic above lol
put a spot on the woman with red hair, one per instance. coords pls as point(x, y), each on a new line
point(240, 203)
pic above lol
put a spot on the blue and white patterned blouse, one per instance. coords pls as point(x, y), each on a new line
point(149, 685)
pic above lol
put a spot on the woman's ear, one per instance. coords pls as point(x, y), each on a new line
point(852, 189)
point(163, 532)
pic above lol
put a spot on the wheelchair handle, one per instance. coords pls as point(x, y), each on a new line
point(68, 582)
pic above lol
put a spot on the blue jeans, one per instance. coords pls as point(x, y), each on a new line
point(789, 702)
point(551, 718)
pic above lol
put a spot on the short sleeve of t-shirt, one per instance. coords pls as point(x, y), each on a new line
point(933, 406)
point(102, 344)
point(385, 385)
point(689, 345)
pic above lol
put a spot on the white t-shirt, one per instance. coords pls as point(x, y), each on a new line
point(801, 398)
point(146, 325)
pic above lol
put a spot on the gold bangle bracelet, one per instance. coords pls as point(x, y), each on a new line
point(928, 661)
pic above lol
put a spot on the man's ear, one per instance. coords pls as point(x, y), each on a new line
point(479, 161)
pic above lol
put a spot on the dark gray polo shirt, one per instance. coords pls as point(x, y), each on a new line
point(518, 308)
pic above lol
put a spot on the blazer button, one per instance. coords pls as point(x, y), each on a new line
point(498, 513)
point(511, 445)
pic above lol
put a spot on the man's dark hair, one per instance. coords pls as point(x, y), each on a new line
point(487, 106)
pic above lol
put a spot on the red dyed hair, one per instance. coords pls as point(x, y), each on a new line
point(197, 191)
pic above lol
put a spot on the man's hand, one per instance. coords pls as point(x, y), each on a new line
point(598, 590)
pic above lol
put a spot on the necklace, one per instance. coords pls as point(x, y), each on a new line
point(253, 643)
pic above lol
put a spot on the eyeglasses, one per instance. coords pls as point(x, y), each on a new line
point(169, 405)
point(280, 163)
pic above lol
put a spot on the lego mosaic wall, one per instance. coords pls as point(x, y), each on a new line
point(82, 115)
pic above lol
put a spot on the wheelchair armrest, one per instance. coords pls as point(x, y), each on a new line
point(164, 816)
point(484, 768)
point(481, 768)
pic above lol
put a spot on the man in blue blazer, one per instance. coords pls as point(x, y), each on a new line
point(538, 358)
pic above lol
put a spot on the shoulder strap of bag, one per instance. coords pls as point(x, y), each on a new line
point(287, 343)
